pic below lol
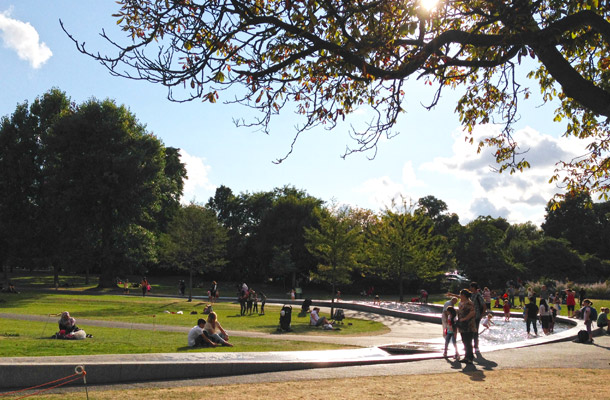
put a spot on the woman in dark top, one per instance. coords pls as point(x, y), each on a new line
point(531, 315)
point(466, 314)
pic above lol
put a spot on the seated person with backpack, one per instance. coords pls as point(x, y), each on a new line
point(315, 319)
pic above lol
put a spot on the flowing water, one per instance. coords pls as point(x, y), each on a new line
point(501, 332)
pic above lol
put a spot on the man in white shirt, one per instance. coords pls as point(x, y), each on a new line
point(197, 337)
point(315, 319)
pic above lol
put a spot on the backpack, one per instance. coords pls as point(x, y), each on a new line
point(583, 337)
point(339, 315)
point(305, 306)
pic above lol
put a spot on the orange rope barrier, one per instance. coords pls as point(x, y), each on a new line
point(49, 388)
point(79, 370)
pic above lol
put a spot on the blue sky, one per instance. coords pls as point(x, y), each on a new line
point(429, 157)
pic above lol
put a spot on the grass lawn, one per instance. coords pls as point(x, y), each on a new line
point(151, 310)
point(26, 338)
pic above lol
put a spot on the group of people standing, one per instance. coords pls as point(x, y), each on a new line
point(474, 305)
point(465, 320)
point(248, 300)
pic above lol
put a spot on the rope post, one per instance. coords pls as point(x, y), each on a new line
point(154, 330)
point(80, 370)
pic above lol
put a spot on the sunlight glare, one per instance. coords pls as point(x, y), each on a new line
point(429, 4)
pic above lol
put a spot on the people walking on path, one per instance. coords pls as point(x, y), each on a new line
point(144, 286)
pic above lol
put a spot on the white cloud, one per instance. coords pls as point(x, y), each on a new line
point(197, 186)
point(408, 176)
point(484, 207)
point(519, 197)
point(23, 38)
point(381, 191)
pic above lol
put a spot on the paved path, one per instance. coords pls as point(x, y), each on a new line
point(554, 355)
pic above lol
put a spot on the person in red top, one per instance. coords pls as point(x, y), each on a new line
point(570, 302)
point(506, 309)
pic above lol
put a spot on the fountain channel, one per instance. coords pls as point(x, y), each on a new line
point(501, 335)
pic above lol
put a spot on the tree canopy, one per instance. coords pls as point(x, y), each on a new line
point(195, 242)
point(94, 188)
point(327, 58)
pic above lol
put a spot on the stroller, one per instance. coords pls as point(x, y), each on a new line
point(285, 319)
point(339, 316)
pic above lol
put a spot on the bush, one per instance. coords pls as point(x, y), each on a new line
point(599, 290)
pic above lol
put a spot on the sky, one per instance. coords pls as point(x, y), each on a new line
point(429, 156)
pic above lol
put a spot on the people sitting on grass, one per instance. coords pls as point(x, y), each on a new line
point(67, 323)
point(68, 328)
point(315, 319)
point(10, 289)
point(215, 331)
point(197, 336)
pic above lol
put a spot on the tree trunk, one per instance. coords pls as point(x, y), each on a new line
point(5, 271)
point(107, 278)
point(332, 301)
point(190, 284)
point(55, 274)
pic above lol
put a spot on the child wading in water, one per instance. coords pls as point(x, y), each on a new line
point(487, 323)
point(506, 309)
point(451, 332)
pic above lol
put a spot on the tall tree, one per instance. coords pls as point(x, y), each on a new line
point(195, 242)
point(337, 243)
point(332, 57)
point(25, 231)
point(405, 247)
point(241, 215)
point(481, 252)
point(106, 173)
point(436, 209)
point(283, 226)
point(576, 220)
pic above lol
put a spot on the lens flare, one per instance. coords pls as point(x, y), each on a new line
point(429, 4)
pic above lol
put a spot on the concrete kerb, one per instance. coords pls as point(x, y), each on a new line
point(21, 372)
